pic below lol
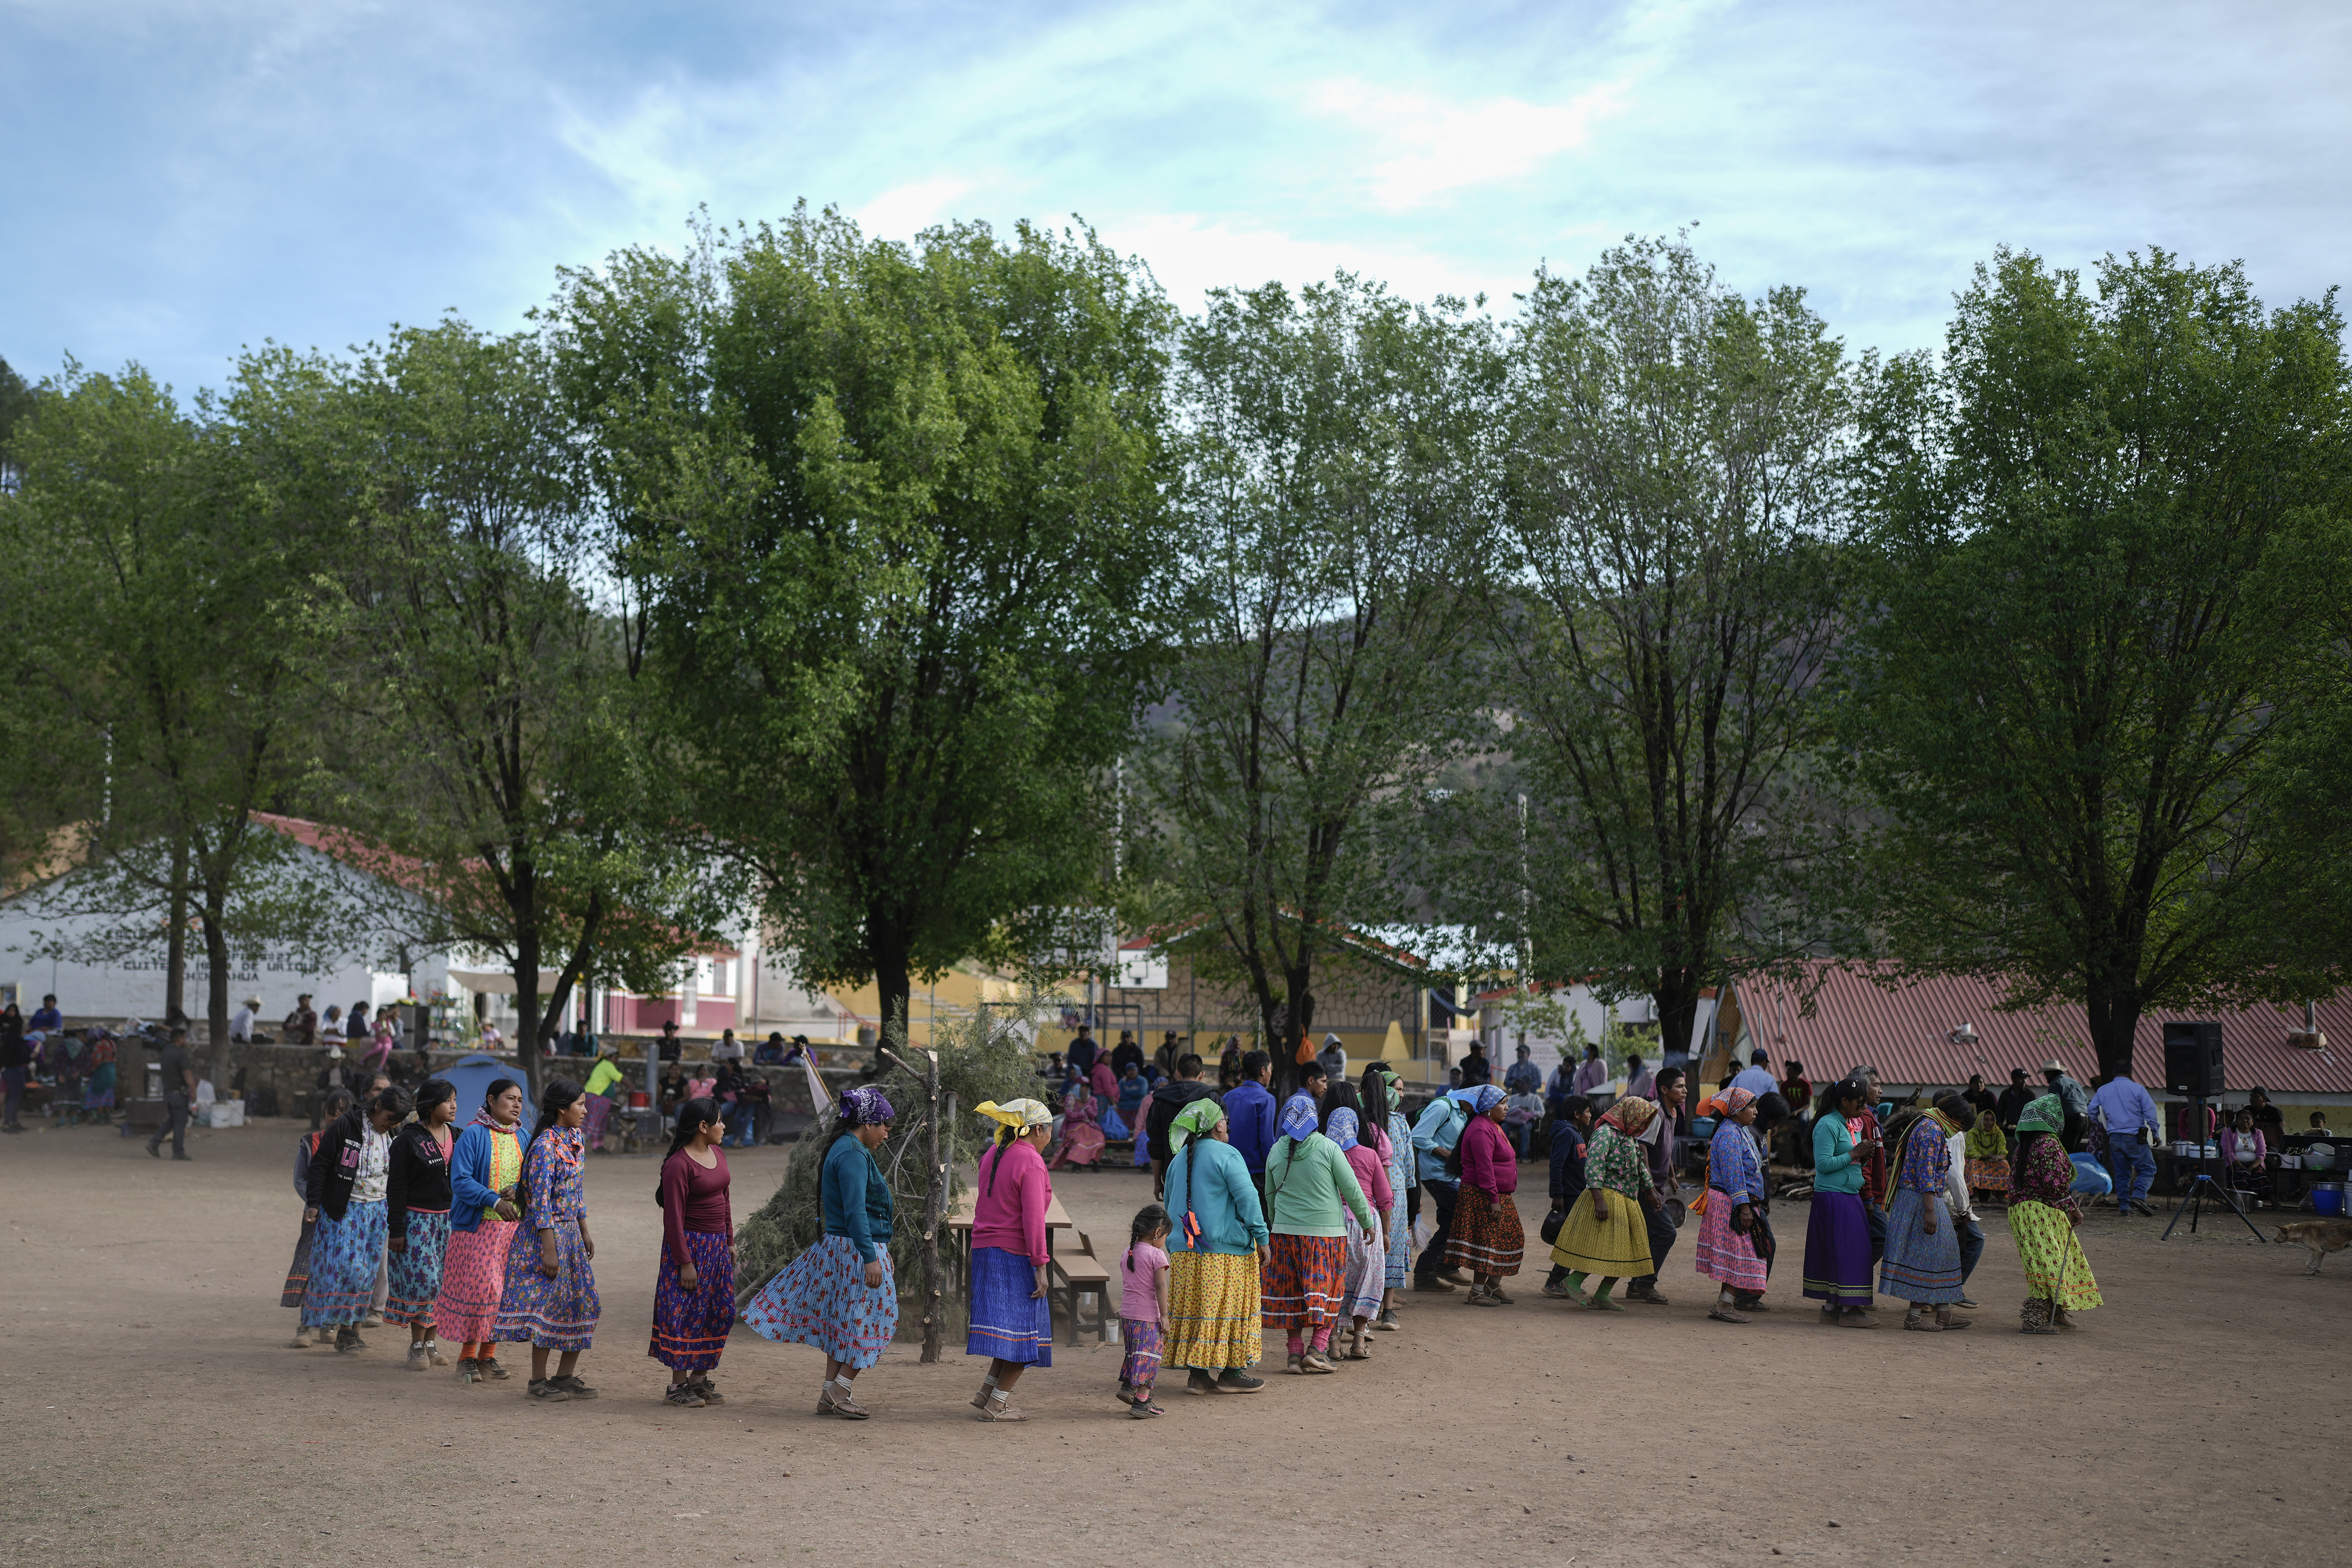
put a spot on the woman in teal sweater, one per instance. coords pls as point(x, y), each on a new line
point(842, 1295)
point(1308, 1184)
point(1837, 1236)
point(1214, 1252)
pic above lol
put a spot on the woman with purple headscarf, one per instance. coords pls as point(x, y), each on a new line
point(842, 1295)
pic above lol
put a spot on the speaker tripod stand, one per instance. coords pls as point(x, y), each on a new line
point(2193, 1203)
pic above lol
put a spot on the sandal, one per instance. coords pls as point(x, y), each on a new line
point(1606, 1304)
point(999, 1408)
point(1914, 1321)
point(1494, 1293)
point(845, 1403)
point(1944, 1320)
point(1387, 1321)
point(683, 1395)
point(1481, 1296)
point(979, 1400)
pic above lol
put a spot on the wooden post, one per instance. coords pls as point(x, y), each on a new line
point(934, 1200)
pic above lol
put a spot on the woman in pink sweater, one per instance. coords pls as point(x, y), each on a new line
point(1487, 1238)
point(1012, 1320)
point(1367, 1252)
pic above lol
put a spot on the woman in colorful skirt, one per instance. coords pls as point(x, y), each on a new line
point(1922, 1262)
point(1392, 1135)
point(2042, 1215)
point(1727, 1231)
point(484, 1168)
point(603, 1086)
point(694, 1289)
point(297, 1272)
point(841, 1295)
point(1987, 1155)
point(1488, 1238)
point(349, 1172)
point(1604, 1233)
point(1311, 1191)
point(1011, 1319)
point(417, 1216)
point(1837, 1233)
point(1217, 1247)
point(550, 1301)
point(1368, 1250)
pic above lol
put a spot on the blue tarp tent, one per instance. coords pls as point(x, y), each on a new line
point(473, 1077)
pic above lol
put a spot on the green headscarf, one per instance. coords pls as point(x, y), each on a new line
point(1197, 1118)
point(2047, 1114)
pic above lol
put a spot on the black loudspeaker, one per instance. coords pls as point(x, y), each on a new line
point(2192, 1058)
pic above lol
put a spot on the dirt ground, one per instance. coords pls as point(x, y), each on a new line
point(2199, 1417)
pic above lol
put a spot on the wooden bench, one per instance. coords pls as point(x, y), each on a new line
point(1076, 1272)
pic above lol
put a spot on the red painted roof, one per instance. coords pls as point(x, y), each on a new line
point(1906, 1034)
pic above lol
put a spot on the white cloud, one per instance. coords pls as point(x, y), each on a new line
point(904, 211)
point(1434, 147)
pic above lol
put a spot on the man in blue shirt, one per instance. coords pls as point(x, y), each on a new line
point(2131, 1121)
point(1523, 1076)
point(1435, 1135)
point(45, 1018)
point(1249, 1116)
point(1757, 1077)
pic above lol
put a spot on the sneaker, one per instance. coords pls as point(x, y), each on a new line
point(2145, 1207)
point(379, 1321)
point(1292, 1364)
point(346, 1341)
point(433, 1353)
point(419, 1358)
point(710, 1394)
point(1387, 1321)
point(572, 1385)
point(154, 1151)
point(1200, 1383)
point(490, 1369)
point(684, 1396)
point(300, 1342)
point(468, 1370)
point(1236, 1381)
point(373, 1320)
point(1144, 1410)
point(546, 1388)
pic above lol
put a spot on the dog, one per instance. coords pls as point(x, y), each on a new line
point(2320, 1237)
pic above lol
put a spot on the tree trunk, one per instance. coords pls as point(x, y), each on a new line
point(893, 982)
point(526, 978)
point(2113, 1019)
point(175, 942)
point(216, 986)
point(1677, 999)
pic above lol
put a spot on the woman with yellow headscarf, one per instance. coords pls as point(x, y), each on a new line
point(1011, 1319)
point(1605, 1233)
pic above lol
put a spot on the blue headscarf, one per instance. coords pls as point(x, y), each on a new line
point(1341, 1128)
point(1486, 1098)
point(1298, 1118)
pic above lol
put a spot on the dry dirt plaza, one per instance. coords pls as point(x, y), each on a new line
point(153, 1415)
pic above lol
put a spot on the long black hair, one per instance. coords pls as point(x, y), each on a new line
point(1151, 1217)
point(692, 1117)
point(553, 1100)
point(434, 1092)
point(1377, 1105)
point(498, 1086)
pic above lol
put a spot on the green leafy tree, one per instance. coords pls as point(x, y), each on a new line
point(183, 543)
point(2092, 644)
point(1334, 487)
point(891, 517)
point(502, 763)
point(1670, 588)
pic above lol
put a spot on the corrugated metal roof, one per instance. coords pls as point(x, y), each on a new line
point(1907, 1035)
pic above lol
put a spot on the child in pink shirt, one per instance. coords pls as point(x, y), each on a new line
point(1143, 1309)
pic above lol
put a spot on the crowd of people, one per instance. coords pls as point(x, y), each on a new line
point(1295, 1219)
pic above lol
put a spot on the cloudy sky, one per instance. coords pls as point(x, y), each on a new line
point(183, 177)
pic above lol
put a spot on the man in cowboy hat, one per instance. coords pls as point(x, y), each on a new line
point(241, 1024)
point(2073, 1098)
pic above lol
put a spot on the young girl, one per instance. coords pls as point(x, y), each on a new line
point(1143, 1309)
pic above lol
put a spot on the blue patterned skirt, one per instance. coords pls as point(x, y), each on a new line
point(690, 1326)
point(1007, 1322)
point(1918, 1267)
point(344, 1256)
point(415, 1269)
point(821, 1299)
point(559, 1314)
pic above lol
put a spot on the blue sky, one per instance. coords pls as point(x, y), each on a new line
point(182, 178)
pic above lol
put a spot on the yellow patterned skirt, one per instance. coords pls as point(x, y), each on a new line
point(2055, 1269)
point(1213, 1311)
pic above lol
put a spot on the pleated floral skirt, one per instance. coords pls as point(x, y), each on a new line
point(690, 1327)
point(473, 1278)
point(558, 1314)
point(414, 1273)
point(1305, 1281)
point(344, 1256)
point(1487, 1236)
